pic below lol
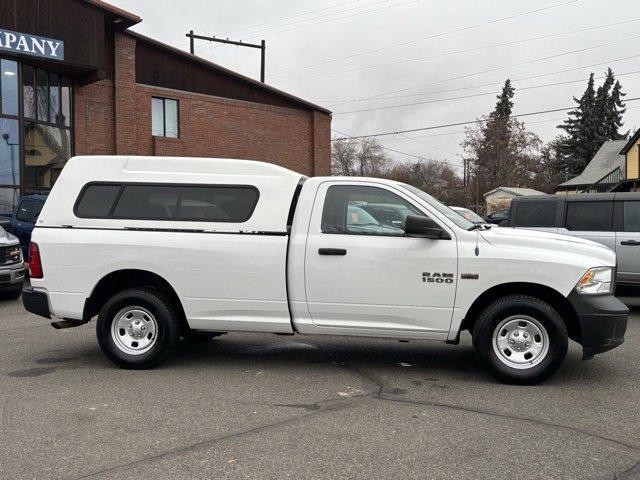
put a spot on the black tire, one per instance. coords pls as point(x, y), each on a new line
point(167, 330)
point(196, 336)
point(11, 293)
point(514, 305)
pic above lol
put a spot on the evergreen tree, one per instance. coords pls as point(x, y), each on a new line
point(615, 110)
point(596, 119)
point(502, 150)
point(579, 146)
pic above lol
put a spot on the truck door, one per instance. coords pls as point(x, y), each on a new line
point(628, 243)
point(362, 273)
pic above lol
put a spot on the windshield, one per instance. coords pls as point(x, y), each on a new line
point(468, 214)
point(446, 211)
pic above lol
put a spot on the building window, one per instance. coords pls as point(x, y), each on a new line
point(164, 117)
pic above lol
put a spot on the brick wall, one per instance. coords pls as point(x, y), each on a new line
point(115, 118)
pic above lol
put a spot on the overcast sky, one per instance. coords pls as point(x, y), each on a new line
point(308, 42)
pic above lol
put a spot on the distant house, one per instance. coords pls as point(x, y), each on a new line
point(631, 152)
point(605, 170)
point(500, 198)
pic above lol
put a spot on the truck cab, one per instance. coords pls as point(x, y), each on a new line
point(165, 248)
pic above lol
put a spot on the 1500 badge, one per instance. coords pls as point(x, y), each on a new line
point(428, 277)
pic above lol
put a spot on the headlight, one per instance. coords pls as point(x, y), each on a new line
point(15, 254)
point(596, 281)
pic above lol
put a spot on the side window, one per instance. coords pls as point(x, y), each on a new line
point(28, 211)
point(168, 202)
point(187, 203)
point(363, 210)
point(589, 216)
point(632, 216)
point(535, 214)
point(96, 200)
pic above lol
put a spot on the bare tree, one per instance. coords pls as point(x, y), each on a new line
point(359, 158)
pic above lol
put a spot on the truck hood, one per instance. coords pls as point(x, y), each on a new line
point(6, 238)
point(505, 237)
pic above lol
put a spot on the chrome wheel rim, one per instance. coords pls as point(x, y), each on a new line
point(134, 330)
point(520, 342)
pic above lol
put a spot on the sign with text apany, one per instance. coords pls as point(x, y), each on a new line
point(26, 44)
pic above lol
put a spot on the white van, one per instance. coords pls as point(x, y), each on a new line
point(163, 248)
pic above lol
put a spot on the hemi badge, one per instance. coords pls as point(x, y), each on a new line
point(470, 276)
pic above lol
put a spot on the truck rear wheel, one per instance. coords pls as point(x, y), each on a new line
point(137, 328)
point(520, 339)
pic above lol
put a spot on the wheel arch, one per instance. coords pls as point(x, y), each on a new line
point(547, 294)
point(119, 280)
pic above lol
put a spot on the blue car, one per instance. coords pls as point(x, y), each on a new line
point(24, 218)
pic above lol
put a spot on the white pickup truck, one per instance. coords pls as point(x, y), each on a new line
point(163, 248)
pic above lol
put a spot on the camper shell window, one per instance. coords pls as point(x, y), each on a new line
point(169, 202)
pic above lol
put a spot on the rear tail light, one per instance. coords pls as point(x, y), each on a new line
point(35, 263)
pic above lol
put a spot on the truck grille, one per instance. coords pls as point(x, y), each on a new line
point(4, 255)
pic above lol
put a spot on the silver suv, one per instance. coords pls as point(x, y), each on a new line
point(612, 219)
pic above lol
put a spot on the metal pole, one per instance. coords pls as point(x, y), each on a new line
point(262, 59)
point(191, 42)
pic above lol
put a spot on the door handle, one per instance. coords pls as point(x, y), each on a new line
point(332, 251)
point(630, 242)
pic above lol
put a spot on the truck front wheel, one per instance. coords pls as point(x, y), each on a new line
point(137, 328)
point(520, 339)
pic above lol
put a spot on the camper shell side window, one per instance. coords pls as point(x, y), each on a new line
point(167, 202)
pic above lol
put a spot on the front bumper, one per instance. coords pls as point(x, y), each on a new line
point(602, 320)
point(36, 302)
point(11, 275)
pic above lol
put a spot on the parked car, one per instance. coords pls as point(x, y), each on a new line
point(497, 217)
point(160, 248)
point(12, 268)
point(612, 219)
point(468, 214)
point(24, 218)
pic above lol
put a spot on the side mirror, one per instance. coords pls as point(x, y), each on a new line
point(423, 227)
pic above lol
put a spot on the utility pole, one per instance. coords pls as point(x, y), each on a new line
point(262, 46)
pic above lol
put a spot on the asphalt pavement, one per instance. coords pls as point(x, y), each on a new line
point(267, 406)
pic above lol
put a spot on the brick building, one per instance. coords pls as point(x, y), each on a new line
point(74, 80)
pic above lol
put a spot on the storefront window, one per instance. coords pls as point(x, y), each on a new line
point(9, 84)
point(65, 97)
point(35, 132)
point(9, 152)
point(29, 91)
point(54, 98)
point(42, 95)
point(46, 150)
point(8, 200)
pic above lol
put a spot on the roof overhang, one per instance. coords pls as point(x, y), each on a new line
point(120, 19)
point(632, 141)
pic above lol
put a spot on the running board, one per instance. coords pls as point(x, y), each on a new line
point(67, 323)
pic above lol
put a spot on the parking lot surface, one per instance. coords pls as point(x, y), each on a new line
point(266, 406)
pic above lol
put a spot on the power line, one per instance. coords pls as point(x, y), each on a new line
point(470, 122)
point(329, 20)
point(378, 2)
point(340, 18)
point(532, 87)
point(429, 37)
point(241, 29)
point(457, 52)
point(418, 157)
point(530, 77)
point(495, 69)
